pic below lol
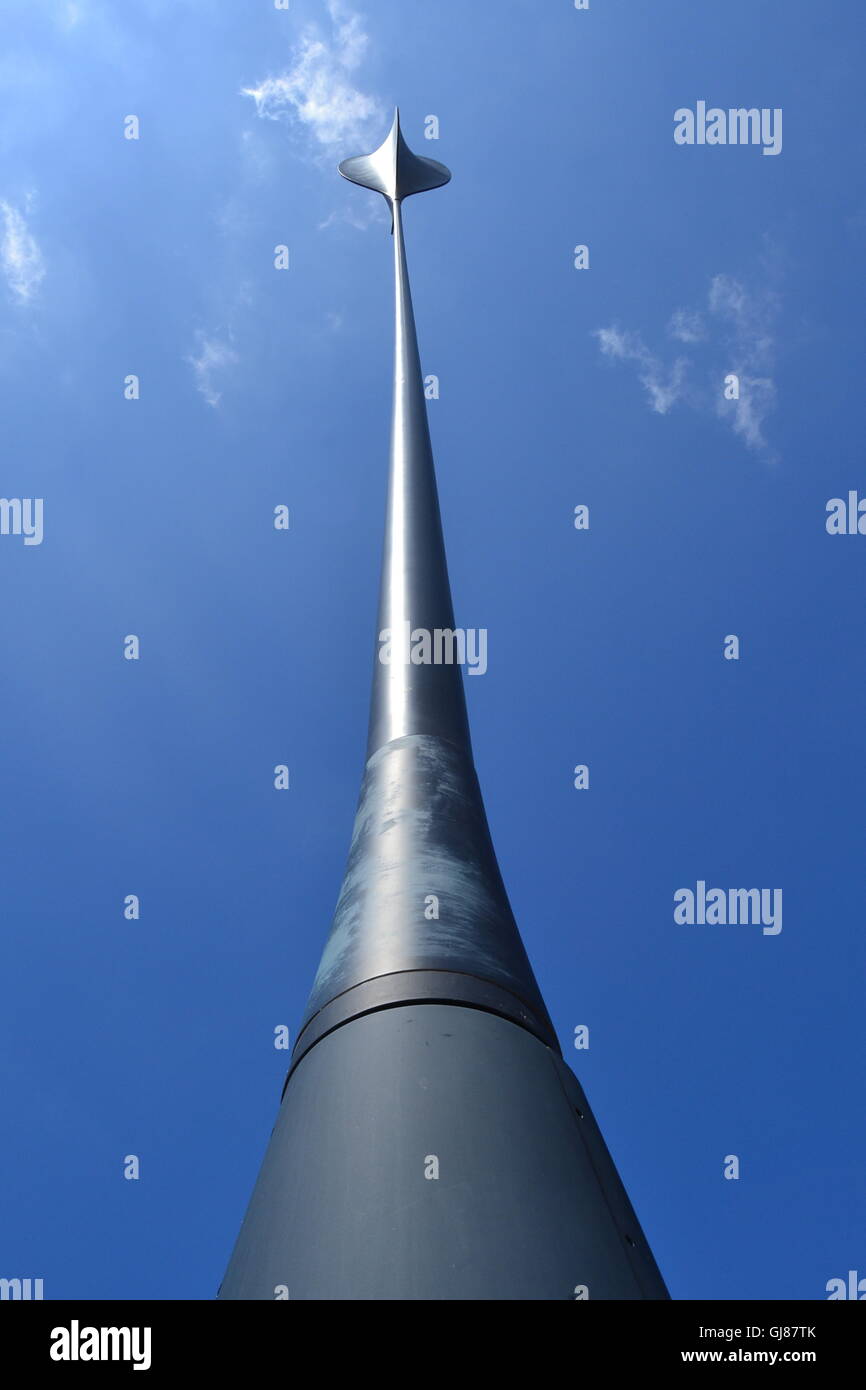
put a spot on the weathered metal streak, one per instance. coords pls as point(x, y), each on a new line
point(421, 830)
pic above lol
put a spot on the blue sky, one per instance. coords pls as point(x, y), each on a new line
point(557, 387)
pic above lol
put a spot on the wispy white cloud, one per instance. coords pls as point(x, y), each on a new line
point(213, 355)
point(357, 214)
point(736, 328)
point(663, 386)
point(686, 326)
point(757, 399)
point(67, 13)
point(20, 257)
point(747, 320)
point(318, 91)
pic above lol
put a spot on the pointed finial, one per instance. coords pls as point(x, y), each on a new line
point(393, 170)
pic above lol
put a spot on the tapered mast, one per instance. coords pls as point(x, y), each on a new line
point(431, 1142)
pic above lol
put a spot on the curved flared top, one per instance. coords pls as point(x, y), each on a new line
point(393, 170)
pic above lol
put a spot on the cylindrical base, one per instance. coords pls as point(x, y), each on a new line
point(435, 1151)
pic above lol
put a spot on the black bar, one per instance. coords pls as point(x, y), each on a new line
point(224, 1338)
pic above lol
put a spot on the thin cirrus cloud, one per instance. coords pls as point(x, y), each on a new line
point(663, 385)
point(20, 257)
point(211, 358)
point(315, 95)
point(317, 92)
point(736, 329)
point(360, 216)
point(687, 326)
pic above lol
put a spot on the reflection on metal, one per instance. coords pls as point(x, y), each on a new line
point(410, 699)
point(426, 1036)
point(394, 170)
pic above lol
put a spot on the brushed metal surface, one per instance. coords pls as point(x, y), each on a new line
point(425, 1033)
point(527, 1204)
point(421, 827)
point(421, 832)
point(393, 170)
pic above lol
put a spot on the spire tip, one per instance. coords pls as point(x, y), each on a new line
point(393, 170)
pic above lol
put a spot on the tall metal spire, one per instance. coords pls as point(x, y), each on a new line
point(421, 827)
point(410, 699)
point(431, 1143)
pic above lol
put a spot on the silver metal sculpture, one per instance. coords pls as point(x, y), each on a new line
point(431, 1142)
